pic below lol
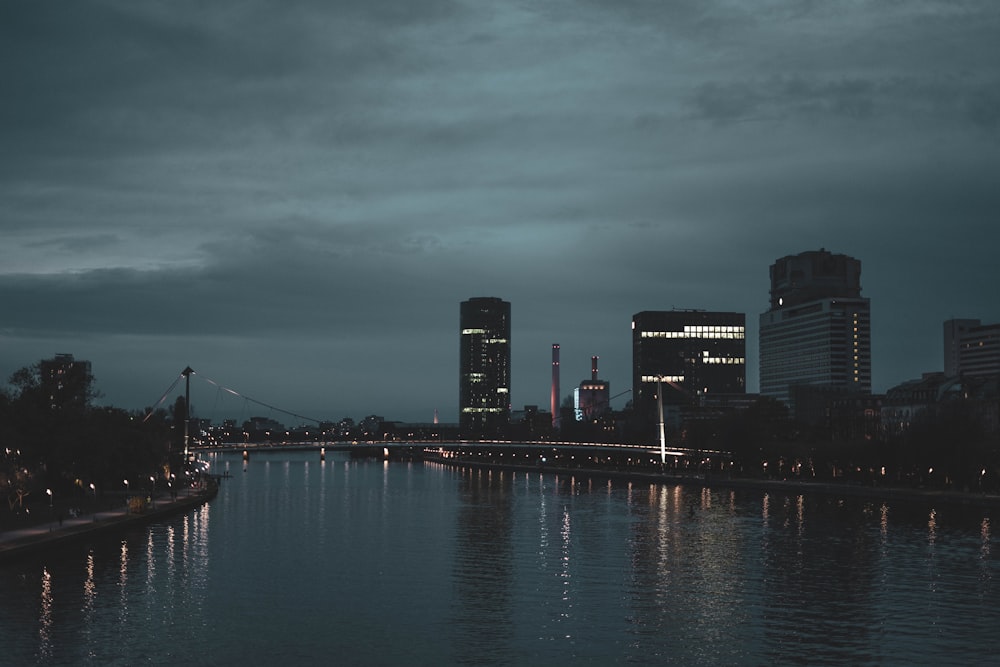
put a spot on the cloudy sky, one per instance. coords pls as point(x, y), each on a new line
point(294, 197)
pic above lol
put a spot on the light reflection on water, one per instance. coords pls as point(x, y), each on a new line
point(45, 617)
point(302, 560)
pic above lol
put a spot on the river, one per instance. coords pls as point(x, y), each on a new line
point(299, 561)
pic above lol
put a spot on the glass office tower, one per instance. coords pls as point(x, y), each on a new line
point(692, 352)
point(817, 333)
point(484, 366)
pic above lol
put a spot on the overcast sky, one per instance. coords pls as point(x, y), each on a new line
point(294, 197)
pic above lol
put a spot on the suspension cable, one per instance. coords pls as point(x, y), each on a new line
point(162, 398)
point(261, 403)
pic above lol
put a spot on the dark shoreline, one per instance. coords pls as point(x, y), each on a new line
point(19, 543)
point(893, 493)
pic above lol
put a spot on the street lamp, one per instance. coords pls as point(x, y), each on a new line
point(49, 492)
point(94, 489)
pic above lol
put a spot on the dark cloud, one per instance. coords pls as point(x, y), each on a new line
point(912, 100)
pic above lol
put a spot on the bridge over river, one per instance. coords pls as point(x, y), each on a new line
point(491, 451)
point(500, 451)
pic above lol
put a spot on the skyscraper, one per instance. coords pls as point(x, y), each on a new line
point(67, 382)
point(817, 333)
point(691, 352)
point(484, 366)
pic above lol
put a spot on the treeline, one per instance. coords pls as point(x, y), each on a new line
point(52, 438)
point(956, 445)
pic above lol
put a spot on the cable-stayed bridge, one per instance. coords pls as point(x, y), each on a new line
point(397, 446)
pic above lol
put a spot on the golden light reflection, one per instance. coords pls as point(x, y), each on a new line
point(201, 517)
point(185, 541)
point(45, 618)
point(565, 534)
point(150, 560)
point(932, 527)
point(662, 530)
point(171, 545)
point(123, 583)
point(984, 531)
point(89, 586)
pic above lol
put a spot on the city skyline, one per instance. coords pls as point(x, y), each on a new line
point(292, 200)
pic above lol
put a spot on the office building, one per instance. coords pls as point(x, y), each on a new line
point(592, 399)
point(691, 352)
point(816, 336)
point(484, 366)
point(66, 381)
point(971, 348)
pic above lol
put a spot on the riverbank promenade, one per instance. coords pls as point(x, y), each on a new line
point(40, 536)
point(717, 480)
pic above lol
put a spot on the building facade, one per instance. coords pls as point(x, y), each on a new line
point(484, 366)
point(592, 399)
point(817, 332)
point(692, 353)
point(971, 348)
point(67, 382)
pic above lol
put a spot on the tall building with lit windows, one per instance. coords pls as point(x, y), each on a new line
point(971, 348)
point(484, 366)
point(691, 352)
point(816, 336)
point(66, 381)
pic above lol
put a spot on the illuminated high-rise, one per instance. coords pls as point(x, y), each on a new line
point(484, 366)
point(66, 381)
point(816, 336)
point(689, 353)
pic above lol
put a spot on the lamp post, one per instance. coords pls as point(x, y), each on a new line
point(152, 491)
point(94, 489)
point(49, 492)
point(126, 494)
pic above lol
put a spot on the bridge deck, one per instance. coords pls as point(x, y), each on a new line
point(470, 445)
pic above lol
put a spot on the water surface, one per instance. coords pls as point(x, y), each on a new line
point(299, 561)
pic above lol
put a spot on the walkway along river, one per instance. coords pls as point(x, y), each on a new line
point(52, 535)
